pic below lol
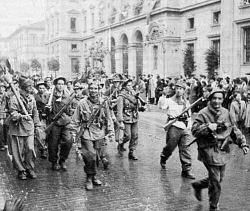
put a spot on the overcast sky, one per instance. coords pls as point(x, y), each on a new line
point(14, 13)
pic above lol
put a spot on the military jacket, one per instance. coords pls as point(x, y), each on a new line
point(210, 143)
point(127, 107)
point(41, 102)
point(3, 106)
point(19, 126)
point(100, 126)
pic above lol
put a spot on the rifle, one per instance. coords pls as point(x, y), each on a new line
point(171, 122)
point(60, 112)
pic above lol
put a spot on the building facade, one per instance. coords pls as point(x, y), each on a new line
point(147, 36)
point(25, 44)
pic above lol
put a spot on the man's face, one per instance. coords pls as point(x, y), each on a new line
point(60, 85)
point(116, 84)
point(93, 90)
point(48, 83)
point(2, 63)
point(29, 90)
point(238, 97)
point(78, 91)
point(69, 86)
point(217, 100)
point(2, 89)
point(179, 91)
point(129, 86)
point(41, 89)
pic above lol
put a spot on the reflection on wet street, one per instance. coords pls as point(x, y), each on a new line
point(128, 185)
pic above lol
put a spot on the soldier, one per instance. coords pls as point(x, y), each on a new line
point(213, 129)
point(42, 98)
point(21, 130)
point(127, 117)
point(93, 111)
point(48, 84)
point(60, 134)
point(3, 115)
point(178, 134)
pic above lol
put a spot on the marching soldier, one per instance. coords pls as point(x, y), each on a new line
point(21, 130)
point(214, 128)
point(42, 98)
point(93, 114)
point(127, 117)
point(178, 134)
point(60, 134)
point(3, 115)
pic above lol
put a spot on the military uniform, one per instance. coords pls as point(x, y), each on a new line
point(178, 134)
point(93, 138)
point(60, 134)
point(212, 150)
point(127, 113)
point(3, 115)
point(21, 131)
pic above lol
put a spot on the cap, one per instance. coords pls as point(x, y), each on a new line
point(77, 86)
point(59, 78)
point(24, 83)
point(180, 84)
point(216, 90)
point(117, 78)
point(40, 83)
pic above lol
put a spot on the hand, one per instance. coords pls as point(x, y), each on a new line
point(26, 117)
point(122, 126)
point(245, 149)
point(14, 204)
point(212, 126)
point(111, 136)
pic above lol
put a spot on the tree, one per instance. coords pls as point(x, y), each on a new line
point(24, 67)
point(212, 61)
point(53, 65)
point(35, 65)
point(189, 63)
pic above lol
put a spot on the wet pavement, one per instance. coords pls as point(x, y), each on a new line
point(128, 185)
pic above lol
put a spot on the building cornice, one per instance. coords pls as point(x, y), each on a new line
point(198, 5)
point(63, 38)
point(190, 39)
point(156, 12)
point(242, 20)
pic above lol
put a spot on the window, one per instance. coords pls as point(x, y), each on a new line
point(246, 45)
point(216, 17)
point(155, 56)
point(246, 2)
point(73, 24)
point(84, 24)
point(216, 45)
point(75, 65)
point(191, 47)
point(73, 47)
point(191, 23)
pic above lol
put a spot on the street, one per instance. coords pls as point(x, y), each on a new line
point(128, 185)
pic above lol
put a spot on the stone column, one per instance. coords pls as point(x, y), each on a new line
point(118, 59)
point(132, 59)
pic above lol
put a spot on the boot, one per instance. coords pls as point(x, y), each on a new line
point(132, 156)
point(163, 162)
point(187, 174)
point(63, 165)
point(89, 183)
point(55, 167)
point(197, 191)
point(43, 154)
point(121, 148)
point(31, 174)
point(22, 175)
point(96, 181)
point(105, 163)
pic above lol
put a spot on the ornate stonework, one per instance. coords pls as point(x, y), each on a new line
point(138, 6)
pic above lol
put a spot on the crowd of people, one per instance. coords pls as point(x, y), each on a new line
point(46, 116)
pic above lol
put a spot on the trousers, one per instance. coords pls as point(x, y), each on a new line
point(92, 153)
point(131, 135)
point(176, 136)
point(213, 183)
point(61, 137)
point(23, 152)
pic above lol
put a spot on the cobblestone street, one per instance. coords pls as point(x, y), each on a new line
point(128, 185)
